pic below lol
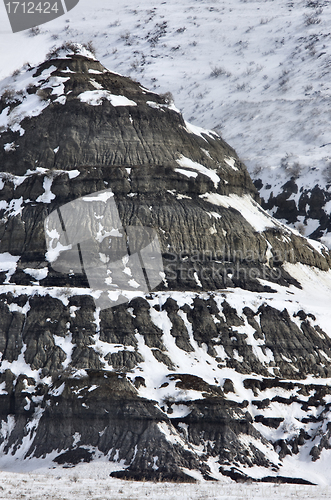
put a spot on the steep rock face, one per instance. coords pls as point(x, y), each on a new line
point(77, 129)
point(185, 379)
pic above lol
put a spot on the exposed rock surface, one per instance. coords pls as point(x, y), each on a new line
point(306, 208)
point(194, 377)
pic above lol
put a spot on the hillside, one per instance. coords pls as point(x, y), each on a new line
point(220, 370)
point(256, 71)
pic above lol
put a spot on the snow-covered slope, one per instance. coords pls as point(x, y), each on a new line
point(258, 71)
point(93, 480)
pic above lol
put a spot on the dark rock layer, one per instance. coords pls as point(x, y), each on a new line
point(77, 380)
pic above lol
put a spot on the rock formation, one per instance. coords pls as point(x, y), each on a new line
point(200, 376)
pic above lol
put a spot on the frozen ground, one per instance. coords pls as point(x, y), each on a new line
point(92, 482)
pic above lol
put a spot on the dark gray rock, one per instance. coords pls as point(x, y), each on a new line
point(86, 377)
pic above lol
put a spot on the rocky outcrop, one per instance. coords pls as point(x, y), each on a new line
point(302, 207)
point(185, 379)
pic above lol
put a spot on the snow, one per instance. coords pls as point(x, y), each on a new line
point(75, 47)
point(95, 98)
point(326, 240)
point(30, 106)
point(256, 71)
point(15, 207)
point(54, 250)
point(102, 196)
point(231, 162)
point(61, 99)
point(47, 196)
point(192, 165)
point(269, 98)
point(72, 174)
point(21, 366)
point(215, 215)
point(8, 261)
point(261, 42)
point(10, 146)
point(254, 214)
point(58, 391)
point(193, 129)
point(65, 343)
point(187, 173)
point(85, 480)
point(318, 246)
point(216, 101)
point(315, 295)
point(104, 348)
point(250, 44)
point(57, 84)
point(198, 282)
point(38, 274)
point(96, 84)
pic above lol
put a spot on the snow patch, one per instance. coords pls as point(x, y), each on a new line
point(37, 274)
point(187, 163)
point(199, 131)
point(47, 196)
point(96, 97)
point(231, 162)
point(254, 214)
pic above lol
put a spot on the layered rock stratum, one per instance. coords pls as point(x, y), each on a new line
point(223, 368)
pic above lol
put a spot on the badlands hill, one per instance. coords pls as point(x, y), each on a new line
point(221, 365)
point(256, 71)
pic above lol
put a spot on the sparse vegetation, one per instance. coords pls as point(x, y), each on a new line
point(218, 71)
point(327, 173)
point(284, 79)
point(70, 47)
point(127, 38)
point(301, 228)
point(168, 97)
point(89, 46)
point(15, 73)
point(114, 24)
point(264, 20)
point(8, 96)
point(313, 4)
point(293, 169)
point(240, 87)
point(160, 30)
point(257, 170)
point(44, 93)
point(311, 19)
point(34, 31)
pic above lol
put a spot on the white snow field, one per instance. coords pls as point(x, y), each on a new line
point(92, 482)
